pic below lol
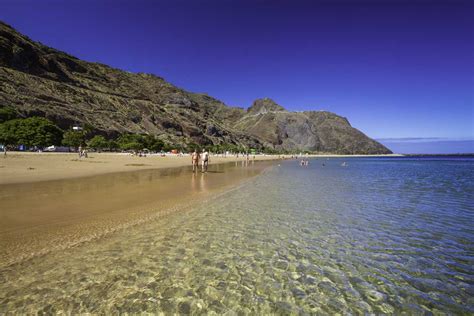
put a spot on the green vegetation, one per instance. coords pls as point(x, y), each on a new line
point(130, 142)
point(152, 143)
point(6, 114)
point(98, 142)
point(32, 131)
point(140, 142)
point(74, 138)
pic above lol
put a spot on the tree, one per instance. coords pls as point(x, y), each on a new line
point(168, 147)
point(152, 143)
point(32, 131)
point(74, 138)
point(130, 142)
point(112, 145)
point(98, 142)
point(8, 132)
point(6, 114)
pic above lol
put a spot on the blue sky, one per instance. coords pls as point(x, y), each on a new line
point(395, 69)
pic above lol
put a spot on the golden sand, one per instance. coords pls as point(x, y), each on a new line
point(37, 217)
point(32, 167)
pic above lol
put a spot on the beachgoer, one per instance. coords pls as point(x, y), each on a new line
point(205, 160)
point(195, 160)
point(80, 152)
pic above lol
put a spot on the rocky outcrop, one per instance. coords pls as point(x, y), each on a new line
point(318, 131)
point(262, 106)
point(38, 80)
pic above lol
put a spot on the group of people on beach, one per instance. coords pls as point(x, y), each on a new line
point(304, 162)
point(204, 157)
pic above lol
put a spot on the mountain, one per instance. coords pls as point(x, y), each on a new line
point(42, 81)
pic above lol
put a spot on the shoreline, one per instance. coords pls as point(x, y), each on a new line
point(30, 167)
point(26, 167)
point(49, 216)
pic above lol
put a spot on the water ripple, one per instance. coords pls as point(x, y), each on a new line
point(379, 237)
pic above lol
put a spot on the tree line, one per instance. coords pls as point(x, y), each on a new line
point(39, 132)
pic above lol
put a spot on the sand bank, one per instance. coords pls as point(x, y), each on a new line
point(31, 167)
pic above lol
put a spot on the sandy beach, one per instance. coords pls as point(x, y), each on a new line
point(21, 167)
point(82, 201)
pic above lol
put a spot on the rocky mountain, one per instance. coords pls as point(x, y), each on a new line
point(39, 80)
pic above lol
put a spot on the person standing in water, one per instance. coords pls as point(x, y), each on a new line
point(205, 160)
point(195, 160)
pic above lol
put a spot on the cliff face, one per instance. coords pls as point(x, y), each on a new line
point(38, 80)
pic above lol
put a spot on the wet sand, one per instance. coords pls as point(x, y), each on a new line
point(38, 217)
point(20, 167)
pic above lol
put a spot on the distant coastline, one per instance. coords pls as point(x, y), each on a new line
point(440, 155)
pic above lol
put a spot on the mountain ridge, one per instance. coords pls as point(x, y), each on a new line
point(43, 81)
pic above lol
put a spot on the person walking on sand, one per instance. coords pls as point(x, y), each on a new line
point(80, 152)
point(205, 160)
point(195, 160)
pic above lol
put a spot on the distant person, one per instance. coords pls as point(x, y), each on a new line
point(205, 160)
point(80, 152)
point(5, 151)
point(195, 160)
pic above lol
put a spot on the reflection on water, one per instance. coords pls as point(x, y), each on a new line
point(378, 236)
point(39, 217)
point(198, 182)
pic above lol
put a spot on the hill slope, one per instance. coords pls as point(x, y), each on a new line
point(38, 80)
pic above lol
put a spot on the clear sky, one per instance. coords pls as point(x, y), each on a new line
point(395, 69)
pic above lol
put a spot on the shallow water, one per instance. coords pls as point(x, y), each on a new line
point(377, 236)
point(38, 217)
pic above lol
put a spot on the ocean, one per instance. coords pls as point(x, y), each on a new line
point(373, 235)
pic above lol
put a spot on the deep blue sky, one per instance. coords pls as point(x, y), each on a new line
point(395, 69)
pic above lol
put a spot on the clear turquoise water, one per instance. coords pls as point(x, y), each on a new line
point(378, 236)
